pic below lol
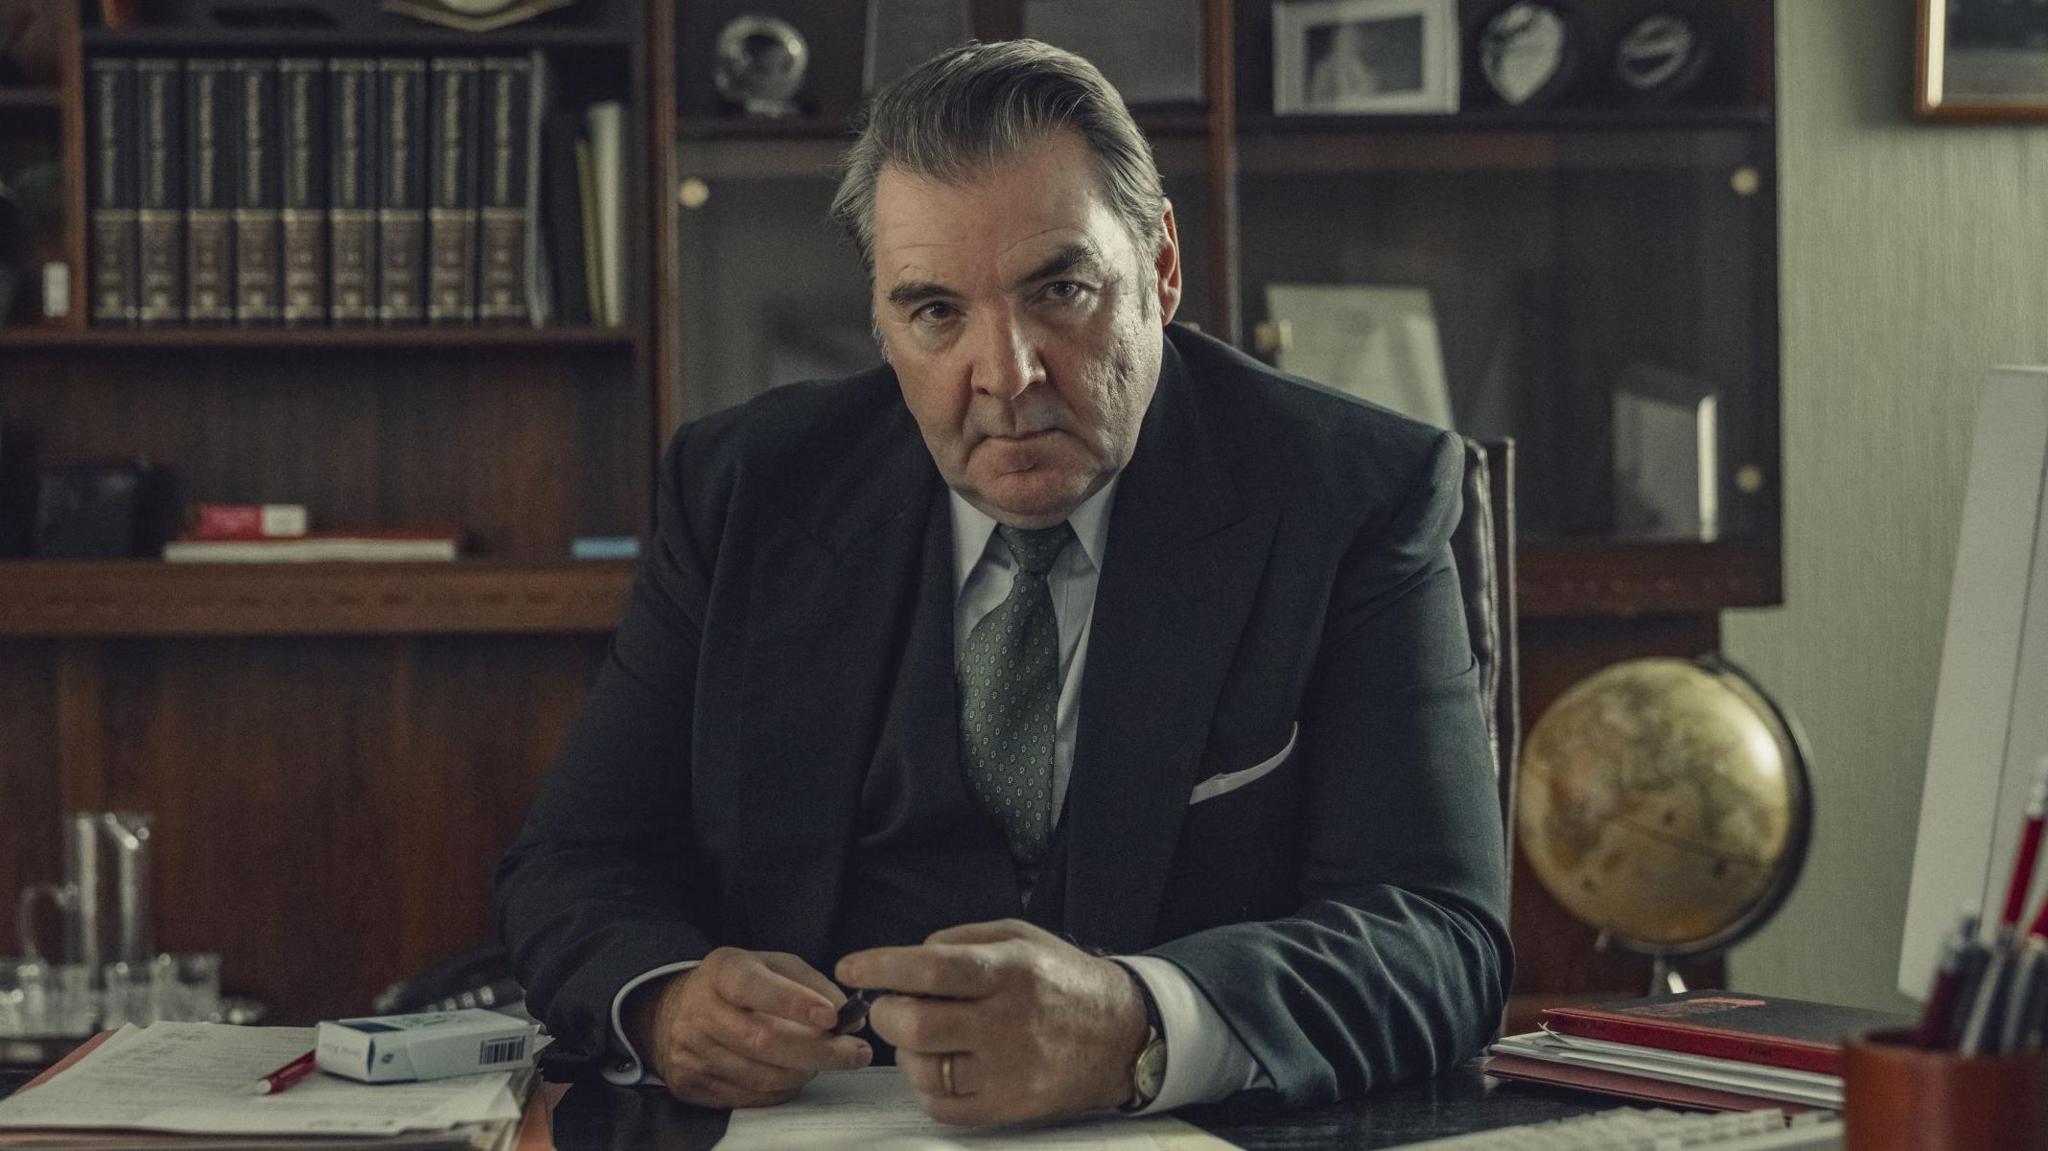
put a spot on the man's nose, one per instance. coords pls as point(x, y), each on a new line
point(1007, 362)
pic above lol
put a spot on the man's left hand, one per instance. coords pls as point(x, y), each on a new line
point(1035, 1028)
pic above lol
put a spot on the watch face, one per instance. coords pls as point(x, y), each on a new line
point(1661, 55)
point(1525, 52)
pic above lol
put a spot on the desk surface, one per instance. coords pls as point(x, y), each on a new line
point(594, 1115)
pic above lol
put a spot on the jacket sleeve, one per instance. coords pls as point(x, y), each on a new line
point(597, 889)
point(1396, 962)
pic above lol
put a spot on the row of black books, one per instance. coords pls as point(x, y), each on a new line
point(350, 190)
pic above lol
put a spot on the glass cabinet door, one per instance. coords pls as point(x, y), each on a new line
point(1605, 296)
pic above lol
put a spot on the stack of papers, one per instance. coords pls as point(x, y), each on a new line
point(189, 1085)
point(874, 1109)
point(1731, 1078)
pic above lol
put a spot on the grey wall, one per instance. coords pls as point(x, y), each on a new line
point(1914, 256)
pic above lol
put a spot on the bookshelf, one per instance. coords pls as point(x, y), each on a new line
point(373, 730)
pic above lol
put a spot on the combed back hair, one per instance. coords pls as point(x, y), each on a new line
point(969, 108)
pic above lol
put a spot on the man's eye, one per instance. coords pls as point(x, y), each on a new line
point(936, 312)
point(1064, 291)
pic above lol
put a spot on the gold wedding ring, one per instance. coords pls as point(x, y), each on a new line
point(946, 1073)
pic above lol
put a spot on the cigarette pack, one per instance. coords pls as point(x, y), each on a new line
point(429, 1045)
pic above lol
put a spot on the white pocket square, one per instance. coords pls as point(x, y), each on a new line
point(1230, 781)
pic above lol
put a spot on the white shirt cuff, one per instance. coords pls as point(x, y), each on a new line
point(1205, 1060)
point(627, 1071)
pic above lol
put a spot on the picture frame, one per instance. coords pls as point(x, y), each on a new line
point(1981, 60)
point(1365, 57)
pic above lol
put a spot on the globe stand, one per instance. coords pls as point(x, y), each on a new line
point(1664, 976)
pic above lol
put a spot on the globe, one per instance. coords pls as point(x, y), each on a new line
point(1665, 802)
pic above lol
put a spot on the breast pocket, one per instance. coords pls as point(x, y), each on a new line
point(1226, 782)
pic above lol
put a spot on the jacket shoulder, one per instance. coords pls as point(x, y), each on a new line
point(1310, 443)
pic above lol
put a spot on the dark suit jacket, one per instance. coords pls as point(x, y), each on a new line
point(1277, 557)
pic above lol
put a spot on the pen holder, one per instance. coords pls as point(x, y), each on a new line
point(1897, 1096)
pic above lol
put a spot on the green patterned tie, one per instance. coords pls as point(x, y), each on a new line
point(1010, 694)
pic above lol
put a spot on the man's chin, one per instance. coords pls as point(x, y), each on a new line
point(1030, 499)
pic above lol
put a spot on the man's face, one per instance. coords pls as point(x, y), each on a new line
point(1024, 326)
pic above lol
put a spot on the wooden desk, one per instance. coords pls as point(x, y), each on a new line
point(595, 1115)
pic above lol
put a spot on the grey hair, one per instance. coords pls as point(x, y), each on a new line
point(973, 106)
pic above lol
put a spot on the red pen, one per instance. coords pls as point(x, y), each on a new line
point(286, 1075)
point(2030, 848)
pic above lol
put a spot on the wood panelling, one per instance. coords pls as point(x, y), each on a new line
point(329, 811)
point(147, 598)
point(31, 787)
point(524, 448)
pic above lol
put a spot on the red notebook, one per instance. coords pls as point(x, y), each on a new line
point(1775, 1032)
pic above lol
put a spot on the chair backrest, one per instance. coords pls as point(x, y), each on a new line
point(1484, 546)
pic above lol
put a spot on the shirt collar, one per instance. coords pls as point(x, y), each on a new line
point(973, 527)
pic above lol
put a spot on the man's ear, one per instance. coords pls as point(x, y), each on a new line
point(1166, 267)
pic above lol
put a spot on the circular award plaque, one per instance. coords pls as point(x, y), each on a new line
point(761, 64)
point(1660, 56)
point(1528, 52)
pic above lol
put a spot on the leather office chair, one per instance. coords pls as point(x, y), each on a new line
point(1484, 546)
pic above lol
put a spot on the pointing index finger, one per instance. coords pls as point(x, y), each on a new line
point(942, 970)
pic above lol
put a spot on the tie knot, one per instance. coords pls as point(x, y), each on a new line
point(1035, 549)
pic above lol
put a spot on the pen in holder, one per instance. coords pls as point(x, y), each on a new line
point(1897, 1096)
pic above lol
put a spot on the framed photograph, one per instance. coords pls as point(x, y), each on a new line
point(1365, 56)
point(1377, 342)
point(1982, 60)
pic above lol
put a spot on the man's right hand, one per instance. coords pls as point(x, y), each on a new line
point(742, 1029)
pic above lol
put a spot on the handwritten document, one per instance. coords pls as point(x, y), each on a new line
point(195, 1078)
point(874, 1109)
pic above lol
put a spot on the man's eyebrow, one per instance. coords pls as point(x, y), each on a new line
point(917, 292)
point(1080, 254)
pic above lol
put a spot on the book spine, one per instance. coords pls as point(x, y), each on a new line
point(1745, 1047)
point(303, 96)
point(259, 177)
point(452, 220)
point(160, 212)
point(209, 193)
point(607, 130)
point(402, 204)
point(564, 199)
point(111, 114)
point(352, 197)
point(508, 84)
point(539, 303)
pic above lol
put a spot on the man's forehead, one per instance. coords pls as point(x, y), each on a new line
point(1005, 220)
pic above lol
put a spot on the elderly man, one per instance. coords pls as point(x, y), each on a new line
point(1101, 696)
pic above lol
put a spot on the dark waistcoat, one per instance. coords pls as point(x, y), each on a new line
point(923, 856)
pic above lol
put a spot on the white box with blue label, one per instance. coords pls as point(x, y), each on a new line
point(428, 1045)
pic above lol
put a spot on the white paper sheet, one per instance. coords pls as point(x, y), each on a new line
point(874, 1108)
point(195, 1078)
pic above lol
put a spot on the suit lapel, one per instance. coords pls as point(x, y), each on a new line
point(833, 590)
point(1182, 569)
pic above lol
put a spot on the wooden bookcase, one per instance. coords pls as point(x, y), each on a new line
point(337, 754)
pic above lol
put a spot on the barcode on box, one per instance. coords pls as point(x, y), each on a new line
point(503, 1051)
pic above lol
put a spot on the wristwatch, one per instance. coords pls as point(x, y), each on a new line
point(1148, 1074)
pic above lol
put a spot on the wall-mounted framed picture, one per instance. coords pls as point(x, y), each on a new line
point(1981, 60)
point(1385, 57)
